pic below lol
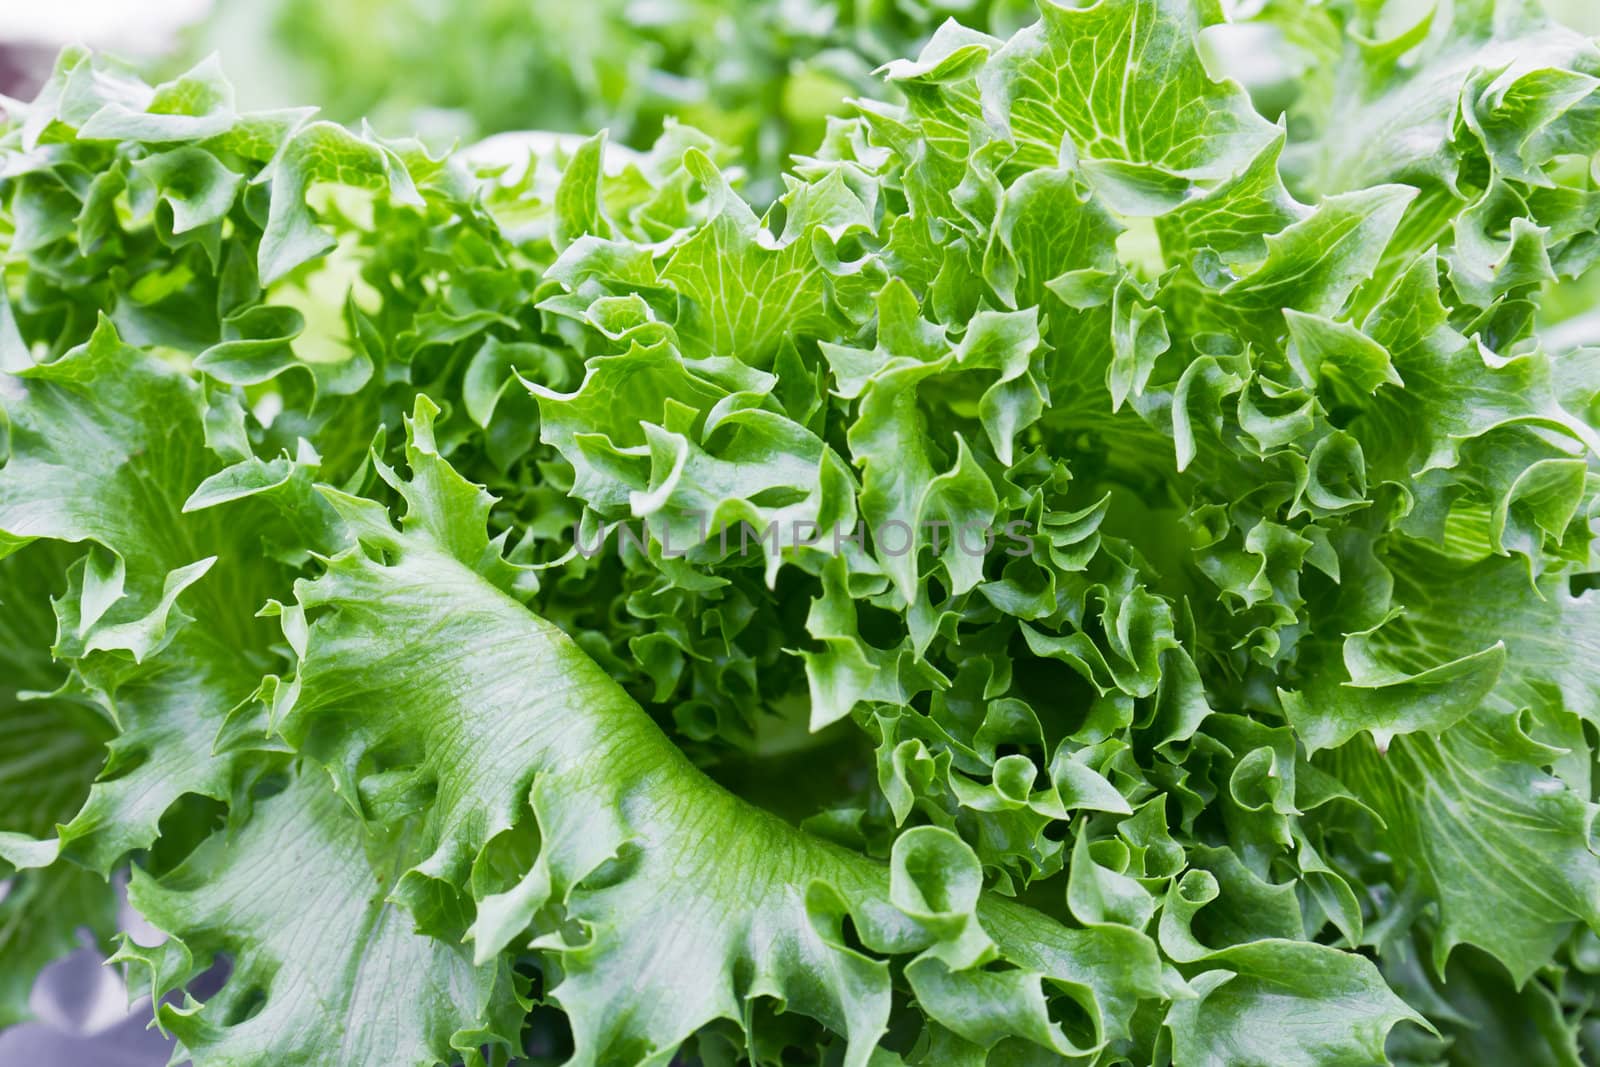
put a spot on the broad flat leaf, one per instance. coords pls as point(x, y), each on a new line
point(1122, 82)
point(292, 900)
point(1501, 845)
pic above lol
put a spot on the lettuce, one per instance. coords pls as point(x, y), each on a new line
point(1099, 571)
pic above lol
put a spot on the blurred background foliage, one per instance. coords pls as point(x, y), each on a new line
point(760, 76)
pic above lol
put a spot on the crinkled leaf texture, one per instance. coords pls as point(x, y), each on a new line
point(389, 574)
point(660, 901)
